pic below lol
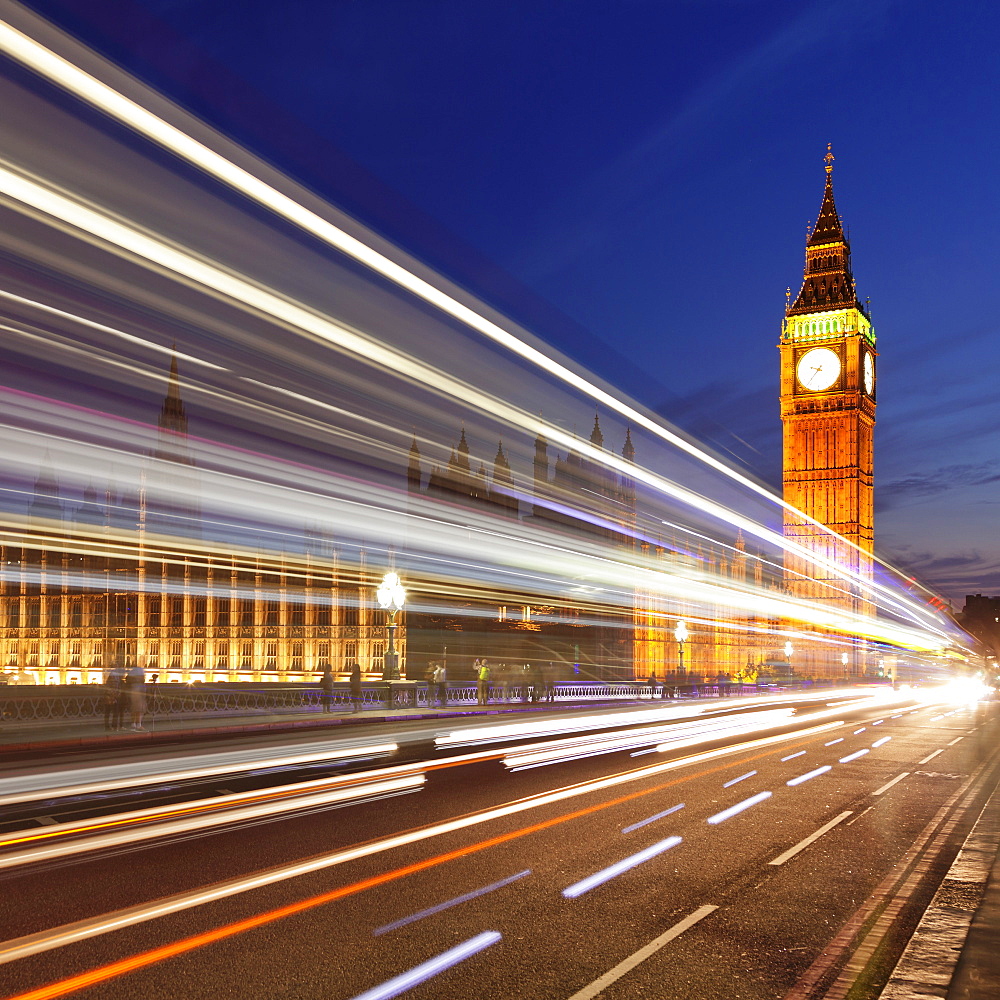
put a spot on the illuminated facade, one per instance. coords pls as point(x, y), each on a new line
point(92, 581)
point(828, 415)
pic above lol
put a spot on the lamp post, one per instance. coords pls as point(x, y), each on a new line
point(680, 634)
point(788, 656)
point(843, 660)
point(391, 595)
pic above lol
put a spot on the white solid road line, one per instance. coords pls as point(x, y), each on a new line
point(623, 967)
point(931, 756)
point(889, 784)
point(803, 844)
point(859, 815)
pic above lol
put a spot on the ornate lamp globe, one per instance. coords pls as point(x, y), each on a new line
point(391, 594)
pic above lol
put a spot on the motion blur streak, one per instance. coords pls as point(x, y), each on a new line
point(721, 817)
point(809, 775)
point(58, 937)
point(448, 904)
point(50, 785)
point(46, 63)
point(432, 967)
point(219, 811)
point(653, 818)
point(685, 735)
point(147, 824)
point(65, 74)
point(606, 874)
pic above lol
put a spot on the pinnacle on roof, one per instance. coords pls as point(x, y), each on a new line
point(596, 437)
point(828, 228)
point(628, 449)
point(414, 450)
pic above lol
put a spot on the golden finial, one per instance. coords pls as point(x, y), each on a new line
point(828, 159)
point(788, 295)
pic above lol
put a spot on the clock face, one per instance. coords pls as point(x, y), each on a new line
point(869, 374)
point(818, 369)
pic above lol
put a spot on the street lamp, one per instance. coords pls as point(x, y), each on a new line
point(680, 634)
point(391, 595)
point(843, 660)
point(788, 655)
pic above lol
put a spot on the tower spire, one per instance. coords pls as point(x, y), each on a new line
point(828, 282)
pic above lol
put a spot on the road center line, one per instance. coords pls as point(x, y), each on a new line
point(742, 777)
point(735, 810)
point(931, 756)
point(626, 966)
point(809, 775)
point(432, 967)
point(803, 844)
point(652, 819)
point(859, 815)
point(448, 904)
point(955, 740)
point(618, 868)
point(889, 784)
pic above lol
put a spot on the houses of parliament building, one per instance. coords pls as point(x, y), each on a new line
point(114, 575)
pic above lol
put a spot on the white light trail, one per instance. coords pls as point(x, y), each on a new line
point(58, 937)
point(111, 777)
point(19, 46)
point(606, 874)
point(431, 968)
point(652, 819)
point(721, 817)
point(809, 775)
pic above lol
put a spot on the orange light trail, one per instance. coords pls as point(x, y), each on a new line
point(93, 977)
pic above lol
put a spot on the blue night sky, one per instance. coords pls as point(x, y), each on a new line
point(632, 180)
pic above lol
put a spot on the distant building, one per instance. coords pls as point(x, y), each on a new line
point(981, 617)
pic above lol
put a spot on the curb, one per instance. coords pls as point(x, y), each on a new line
point(927, 966)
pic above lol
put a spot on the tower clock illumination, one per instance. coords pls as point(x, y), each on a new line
point(818, 369)
point(828, 414)
point(869, 373)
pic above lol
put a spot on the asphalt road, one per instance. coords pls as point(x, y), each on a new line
point(627, 877)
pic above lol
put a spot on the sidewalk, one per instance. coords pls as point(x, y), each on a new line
point(19, 738)
point(955, 951)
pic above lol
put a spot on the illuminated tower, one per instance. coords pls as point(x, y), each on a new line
point(828, 412)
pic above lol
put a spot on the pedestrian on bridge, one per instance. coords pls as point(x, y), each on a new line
point(135, 686)
point(114, 698)
point(356, 693)
point(326, 686)
point(482, 669)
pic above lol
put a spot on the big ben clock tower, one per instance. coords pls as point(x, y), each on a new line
point(828, 414)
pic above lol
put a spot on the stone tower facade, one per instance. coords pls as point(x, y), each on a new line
point(828, 415)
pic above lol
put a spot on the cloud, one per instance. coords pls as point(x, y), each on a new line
point(954, 573)
point(936, 482)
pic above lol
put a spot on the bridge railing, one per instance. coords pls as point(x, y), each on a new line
point(30, 703)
